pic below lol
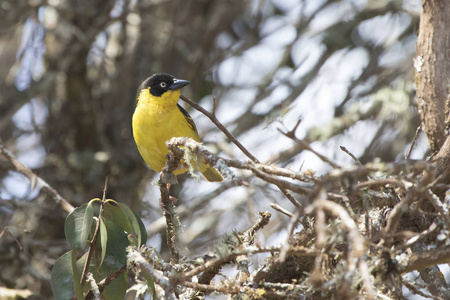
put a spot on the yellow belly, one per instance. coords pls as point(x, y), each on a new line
point(153, 126)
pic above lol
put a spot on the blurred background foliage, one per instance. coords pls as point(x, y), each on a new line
point(69, 71)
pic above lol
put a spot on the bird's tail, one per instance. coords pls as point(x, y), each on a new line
point(211, 174)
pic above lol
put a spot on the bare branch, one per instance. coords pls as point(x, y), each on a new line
point(213, 118)
point(307, 146)
point(135, 258)
point(281, 210)
point(36, 180)
point(422, 260)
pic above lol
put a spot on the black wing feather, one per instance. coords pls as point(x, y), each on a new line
point(188, 118)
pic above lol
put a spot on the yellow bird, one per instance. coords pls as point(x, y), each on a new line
point(158, 118)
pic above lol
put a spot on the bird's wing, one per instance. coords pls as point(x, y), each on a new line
point(188, 118)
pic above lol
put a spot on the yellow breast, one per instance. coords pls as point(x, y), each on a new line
point(156, 120)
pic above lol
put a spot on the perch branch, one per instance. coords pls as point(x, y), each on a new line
point(173, 226)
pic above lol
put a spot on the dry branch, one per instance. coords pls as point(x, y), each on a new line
point(36, 180)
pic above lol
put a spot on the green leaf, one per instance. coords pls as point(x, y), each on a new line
point(114, 245)
point(103, 240)
point(117, 288)
point(115, 214)
point(142, 230)
point(138, 228)
point(76, 277)
point(61, 277)
point(78, 225)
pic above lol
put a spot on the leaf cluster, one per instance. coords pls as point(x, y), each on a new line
point(106, 237)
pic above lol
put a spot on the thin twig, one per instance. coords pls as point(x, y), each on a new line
point(213, 118)
point(213, 264)
point(36, 180)
point(270, 169)
point(264, 218)
point(416, 291)
point(5, 229)
point(433, 227)
point(290, 197)
point(285, 247)
point(351, 155)
point(408, 155)
point(298, 250)
point(94, 238)
point(293, 201)
point(381, 182)
point(214, 105)
point(281, 210)
point(306, 146)
point(282, 184)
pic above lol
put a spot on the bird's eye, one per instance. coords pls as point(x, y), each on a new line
point(163, 84)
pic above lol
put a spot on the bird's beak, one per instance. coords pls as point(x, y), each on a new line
point(178, 84)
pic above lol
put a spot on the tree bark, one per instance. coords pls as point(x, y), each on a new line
point(433, 71)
